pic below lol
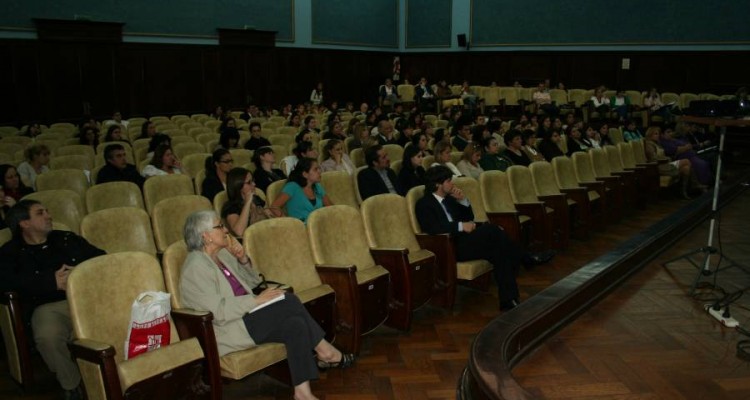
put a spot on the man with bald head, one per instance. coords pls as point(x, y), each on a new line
point(386, 133)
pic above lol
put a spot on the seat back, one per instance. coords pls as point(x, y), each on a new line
point(172, 260)
point(543, 178)
point(219, 200)
point(158, 188)
point(613, 156)
point(615, 134)
point(339, 187)
point(386, 220)
point(73, 161)
point(241, 156)
point(495, 190)
point(358, 157)
point(565, 174)
point(394, 151)
point(194, 163)
point(274, 189)
point(295, 268)
point(64, 206)
point(406, 92)
point(101, 292)
point(113, 194)
point(639, 151)
point(183, 150)
point(626, 155)
point(491, 96)
point(521, 185)
point(70, 179)
point(169, 215)
point(412, 196)
point(471, 190)
point(582, 166)
point(116, 230)
point(510, 95)
point(337, 237)
point(600, 163)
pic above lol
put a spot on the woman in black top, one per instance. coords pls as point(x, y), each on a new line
point(549, 147)
point(265, 174)
point(242, 202)
point(514, 148)
point(217, 167)
point(412, 172)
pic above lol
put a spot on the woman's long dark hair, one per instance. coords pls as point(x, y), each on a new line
point(235, 182)
point(409, 152)
point(211, 161)
point(303, 165)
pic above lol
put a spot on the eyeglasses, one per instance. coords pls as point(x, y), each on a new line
point(226, 161)
point(220, 226)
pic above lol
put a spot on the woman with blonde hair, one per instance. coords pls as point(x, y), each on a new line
point(469, 164)
point(37, 159)
point(336, 158)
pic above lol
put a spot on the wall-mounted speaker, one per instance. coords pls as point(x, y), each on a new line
point(461, 39)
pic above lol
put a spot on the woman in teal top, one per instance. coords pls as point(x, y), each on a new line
point(303, 193)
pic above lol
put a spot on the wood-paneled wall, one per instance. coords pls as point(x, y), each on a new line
point(59, 80)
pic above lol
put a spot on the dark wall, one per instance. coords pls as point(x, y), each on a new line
point(51, 81)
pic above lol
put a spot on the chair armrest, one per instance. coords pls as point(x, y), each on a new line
point(445, 257)
point(199, 324)
point(343, 280)
point(102, 355)
point(508, 220)
point(12, 300)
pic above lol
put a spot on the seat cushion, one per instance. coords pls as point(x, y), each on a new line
point(371, 273)
point(419, 255)
point(313, 293)
point(240, 364)
point(158, 361)
point(470, 270)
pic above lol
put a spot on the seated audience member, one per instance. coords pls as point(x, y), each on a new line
point(117, 168)
point(412, 171)
point(388, 93)
point(243, 207)
point(530, 146)
point(550, 147)
point(545, 128)
point(335, 131)
point(514, 148)
point(227, 122)
point(425, 96)
point(335, 158)
point(479, 132)
point(470, 99)
point(251, 111)
point(445, 209)
point(217, 113)
point(256, 141)
point(304, 149)
point(229, 138)
point(311, 124)
point(599, 101)
point(164, 162)
point(543, 100)
point(469, 164)
point(461, 135)
point(681, 168)
point(37, 161)
point(303, 193)
point(36, 263)
point(156, 141)
point(295, 120)
point(265, 174)
point(576, 142)
point(386, 133)
point(653, 103)
point(493, 159)
point(217, 277)
point(114, 134)
point(378, 177)
point(679, 149)
point(33, 130)
point(316, 96)
point(592, 135)
point(217, 166)
point(117, 120)
point(305, 135)
point(89, 136)
point(443, 157)
point(620, 104)
point(13, 187)
point(630, 132)
point(148, 130)
point(420, 140)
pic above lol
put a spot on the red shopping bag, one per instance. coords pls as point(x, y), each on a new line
point(149, 326)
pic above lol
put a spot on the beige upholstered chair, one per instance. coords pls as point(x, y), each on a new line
point(394, 245)
point(73, 161)
point(633, 178)
point(499, 207)
point(241, 156)
point(588, 198)
point(158, 188)
point(100, 293)
point(183, 150)
point(274, 189)
point(194, 163)
point(542, 216)
point(339, 187)
point(70, 179)
point(63, 205)
point(611, 190)
point(600, 166)
point(395, 152)
point(649, 173)
point(169, 215)
point(119, 229)
point(340, 250)
point(295, 268)
point(113, 194)
point(575, 214)
point(449, 271)
point(358, 157)
point(236, 365)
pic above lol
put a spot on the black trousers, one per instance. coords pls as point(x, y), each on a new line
point(490, 243)
point(288, 322)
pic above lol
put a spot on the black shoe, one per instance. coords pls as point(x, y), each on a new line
point(532, 259)
point(347, 360)
point(508, 305)
point(73, 394)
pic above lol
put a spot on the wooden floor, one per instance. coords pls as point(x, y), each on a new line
point(624, 348)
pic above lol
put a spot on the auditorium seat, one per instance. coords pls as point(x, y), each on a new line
point(602, 171)
point(579, 218)
point(194, 163)
point(63, 205)
point(241, 156)
point(113, 194)
point(556, 215)
point(339, 187)
point(119, 229)
point(157, 188)
point(500, 209)
point(274, 189)
point(589, 199)
point(74, 161)
point(610, 190)
point(169, 215)
point(182, 150)
point(68, 178)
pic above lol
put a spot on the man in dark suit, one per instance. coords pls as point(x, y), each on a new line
point(378, 177)
point(445, 209)
point(117, 168)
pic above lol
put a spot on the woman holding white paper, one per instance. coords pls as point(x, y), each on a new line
point(217, 277)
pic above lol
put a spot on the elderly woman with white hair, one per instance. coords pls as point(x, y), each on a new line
point(217, 277)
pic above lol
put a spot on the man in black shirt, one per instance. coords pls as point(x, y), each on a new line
point(117, 167)
point(36, 263)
